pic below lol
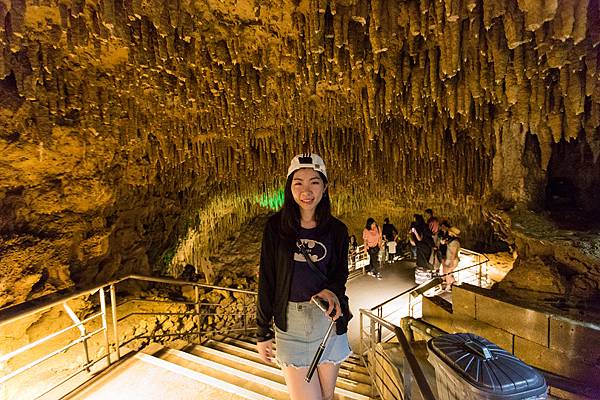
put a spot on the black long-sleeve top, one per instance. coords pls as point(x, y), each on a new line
point(275, 276)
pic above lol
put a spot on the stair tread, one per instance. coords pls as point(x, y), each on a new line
point(247, 370)
point(136, 377)
point(353, 363)
point(345, 380)
point(347, 370)
point(246, 380)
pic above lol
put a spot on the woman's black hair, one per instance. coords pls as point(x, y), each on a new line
point(419, 219)
point(370, 221)
point(290, 212)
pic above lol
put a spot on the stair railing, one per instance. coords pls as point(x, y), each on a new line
point(409, 372)
point(391, 310)
point(111, 352)
point(475, 273)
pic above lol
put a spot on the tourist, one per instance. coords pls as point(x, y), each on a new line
point(421, 236)
point(442, 235)
point(372, 240)
point(352, 250)
point(287, 282)
point(434, 225)
point(389, 233)
point(451, 260)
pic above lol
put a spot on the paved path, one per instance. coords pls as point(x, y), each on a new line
point(366, 291)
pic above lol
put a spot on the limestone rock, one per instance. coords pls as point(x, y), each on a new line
point(130, 129)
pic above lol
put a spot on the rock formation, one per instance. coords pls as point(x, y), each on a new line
point(126, 125)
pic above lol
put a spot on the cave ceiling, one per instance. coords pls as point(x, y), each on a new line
point(120, 119)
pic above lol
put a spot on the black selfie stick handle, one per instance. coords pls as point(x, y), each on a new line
point(319, 353)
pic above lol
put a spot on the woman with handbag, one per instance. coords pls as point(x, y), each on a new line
point(304, 254)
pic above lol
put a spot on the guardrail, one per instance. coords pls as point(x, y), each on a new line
point(391, 309)
point(359, 258)
point(474, 273)
point(410, 371)
point(111, 354)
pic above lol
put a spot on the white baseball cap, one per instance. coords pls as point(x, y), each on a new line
point(312, 161)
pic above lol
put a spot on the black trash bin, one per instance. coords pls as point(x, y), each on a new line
point(469, 367)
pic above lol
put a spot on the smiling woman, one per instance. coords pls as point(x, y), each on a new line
point(304, 254)
point(308, 189)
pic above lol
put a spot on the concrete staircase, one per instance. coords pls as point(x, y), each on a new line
point(224, 368)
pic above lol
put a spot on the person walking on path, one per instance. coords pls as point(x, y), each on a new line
point(452, 259)
point(304, 230)
point(423, 241)
point(372, 240)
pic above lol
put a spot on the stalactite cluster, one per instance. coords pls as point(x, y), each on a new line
point(160, 106)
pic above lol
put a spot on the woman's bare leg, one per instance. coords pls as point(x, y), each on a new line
point(328, 373)
point(300, 389)
point(447, 270)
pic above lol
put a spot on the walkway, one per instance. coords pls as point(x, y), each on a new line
point(366, 291)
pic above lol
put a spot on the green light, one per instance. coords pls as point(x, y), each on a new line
point(274, 201)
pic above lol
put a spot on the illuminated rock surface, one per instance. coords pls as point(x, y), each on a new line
point(128, 129)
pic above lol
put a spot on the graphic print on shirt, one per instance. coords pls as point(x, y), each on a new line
point(316, 251)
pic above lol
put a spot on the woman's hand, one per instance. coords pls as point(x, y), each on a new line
point(265, 350)
point(333, 302)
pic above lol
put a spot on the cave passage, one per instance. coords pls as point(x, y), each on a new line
point(572, 189)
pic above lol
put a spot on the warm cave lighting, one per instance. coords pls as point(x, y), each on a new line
point(477, 274)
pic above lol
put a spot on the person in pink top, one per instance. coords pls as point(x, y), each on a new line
point(372, 240)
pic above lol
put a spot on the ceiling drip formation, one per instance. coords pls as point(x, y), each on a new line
point(120, 119)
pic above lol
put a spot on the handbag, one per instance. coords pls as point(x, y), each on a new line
point(344, 304)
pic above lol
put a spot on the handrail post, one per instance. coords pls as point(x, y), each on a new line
point(197, 309)
point(361, 350)
point(379, 329)
point(104, 324)
point(372, 333)
point(245, 314)
point(485, 264)
point(113, 310)
point(82, 333)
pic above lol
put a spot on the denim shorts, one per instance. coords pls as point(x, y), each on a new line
point(306, 327)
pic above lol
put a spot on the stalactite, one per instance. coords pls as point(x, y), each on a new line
point(411, 87)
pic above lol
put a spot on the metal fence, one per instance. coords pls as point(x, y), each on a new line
point(378, 325)
point(107, 322)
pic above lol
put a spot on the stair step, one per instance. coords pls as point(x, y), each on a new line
point(260, 386)
point(353, 373)
point(349, 388)
point(352, 364)
point(202, 377)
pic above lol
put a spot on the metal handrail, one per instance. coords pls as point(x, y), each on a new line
point(16, 312)
point(376, 312)
point(22, 310)
point(7, 356)
point(414, 288)
point(413, 365)
point(32, 364)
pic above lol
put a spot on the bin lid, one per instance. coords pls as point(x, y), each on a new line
point(485, 365)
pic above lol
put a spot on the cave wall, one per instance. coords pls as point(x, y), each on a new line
point(121, 119)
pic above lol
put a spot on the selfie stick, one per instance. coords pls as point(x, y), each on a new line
point(319, 353)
